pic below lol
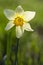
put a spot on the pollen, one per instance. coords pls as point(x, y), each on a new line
point(18, 21)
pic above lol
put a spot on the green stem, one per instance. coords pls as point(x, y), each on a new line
point(16, 51)
point(9, 44)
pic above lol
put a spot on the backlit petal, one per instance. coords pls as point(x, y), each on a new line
point(28, 15)
point(9, 25)
point(10, 14)
point(27, 27)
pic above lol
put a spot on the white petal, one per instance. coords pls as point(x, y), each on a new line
point(28, 15)
point(27, 27)
point(19, 9)
point(9, 14)
point(19, 31)
point(9, 25)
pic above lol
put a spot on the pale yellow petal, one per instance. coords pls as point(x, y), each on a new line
point(19, 31)
point(19, 9)
point(10, 14)
point(9, 25)
point(27, 27)
point(28, 15)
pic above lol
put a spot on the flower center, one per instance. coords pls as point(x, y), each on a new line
point(18, 21)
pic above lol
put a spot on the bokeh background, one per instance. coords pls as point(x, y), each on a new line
point(31, 43)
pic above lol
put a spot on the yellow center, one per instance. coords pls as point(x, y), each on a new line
point(18, 21)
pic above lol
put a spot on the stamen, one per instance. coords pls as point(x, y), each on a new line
point(18, 21)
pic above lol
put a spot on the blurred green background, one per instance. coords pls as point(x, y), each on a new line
point(31, 43)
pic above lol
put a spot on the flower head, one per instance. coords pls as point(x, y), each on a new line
point(20, 19)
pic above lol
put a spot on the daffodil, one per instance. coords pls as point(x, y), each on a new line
point(20, 19)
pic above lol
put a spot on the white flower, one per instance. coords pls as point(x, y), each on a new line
point(20, 19)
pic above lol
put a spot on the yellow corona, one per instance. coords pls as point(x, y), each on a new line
point(18, 21)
